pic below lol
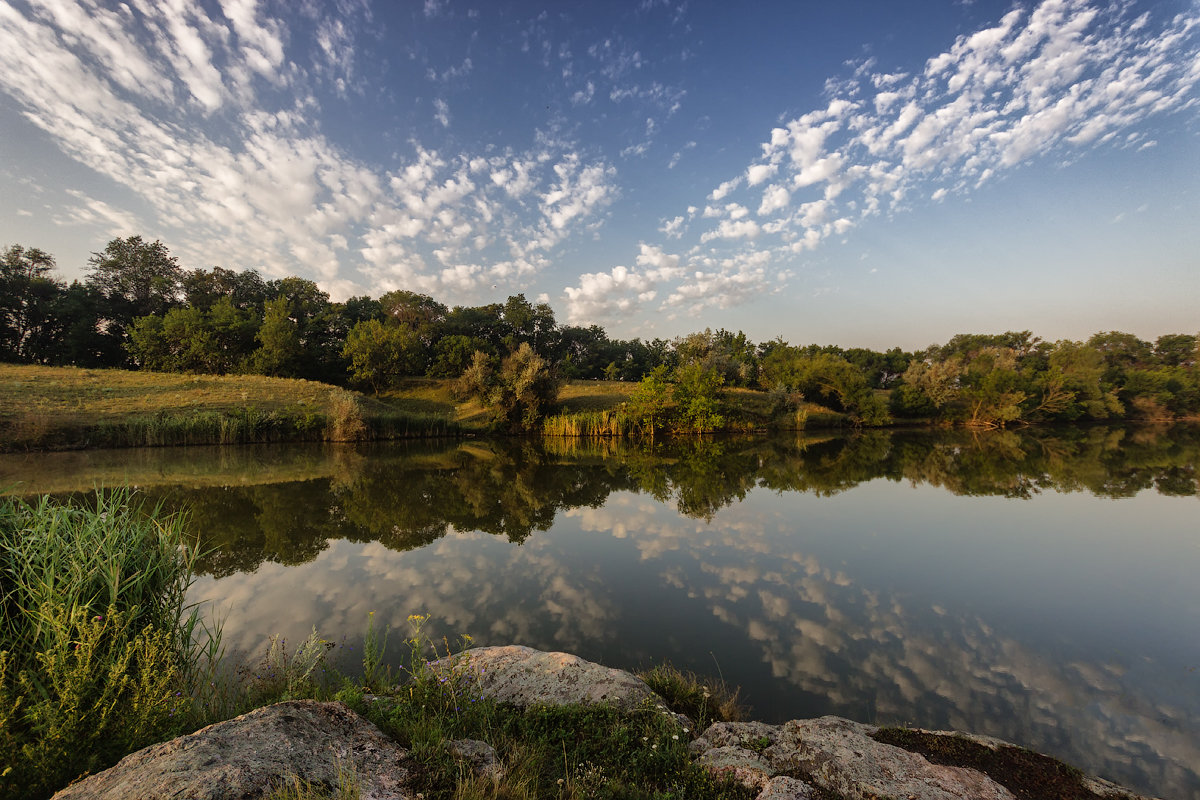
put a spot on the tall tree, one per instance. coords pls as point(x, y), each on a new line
point(28, 296)
point(140, 277)
point(135, 278)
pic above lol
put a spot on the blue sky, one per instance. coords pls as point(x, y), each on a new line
point(860, 173)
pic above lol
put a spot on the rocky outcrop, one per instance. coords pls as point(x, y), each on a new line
point(848, 759)
point(322, 743)
point(244, 758)
point(523, 677)
point(839, 756)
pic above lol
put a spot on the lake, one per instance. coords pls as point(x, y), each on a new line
point(1036, 585)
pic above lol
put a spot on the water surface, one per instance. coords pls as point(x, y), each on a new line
point(1036, 586)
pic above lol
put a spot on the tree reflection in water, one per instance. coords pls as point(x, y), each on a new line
point(825, 573)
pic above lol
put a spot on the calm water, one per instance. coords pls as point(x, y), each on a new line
point(1040, 587)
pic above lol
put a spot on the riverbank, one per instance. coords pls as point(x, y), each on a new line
point(66, 408)
point(513, 722)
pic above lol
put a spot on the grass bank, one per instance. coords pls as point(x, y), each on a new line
point(56, 408)
point(66, 408)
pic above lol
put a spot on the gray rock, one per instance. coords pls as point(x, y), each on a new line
point(839, 756)
point(785, 788)
point(525, 677)
point(246, 757)
point(744, 766)
point(480, 758)
point(1097, 786)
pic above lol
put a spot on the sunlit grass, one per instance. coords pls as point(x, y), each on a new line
point(67, 407)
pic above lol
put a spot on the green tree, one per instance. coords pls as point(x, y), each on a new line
point(381, 353)
point(217, 341)
point(453, 354)
point(823, 377)
point(28, 299)
point(138, 277)
point(991, 393)
point(204, 288)
point(1176, 349)
point(697, 395)
point(280, 350)
point(936, 380)
point(649, 403)
point(519, 394)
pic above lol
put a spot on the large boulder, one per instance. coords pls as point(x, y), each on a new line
point(523, 677)
point(847, 759)
point(246, 757)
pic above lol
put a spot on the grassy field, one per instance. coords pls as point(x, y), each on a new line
point(65, 408)
point(48, 408)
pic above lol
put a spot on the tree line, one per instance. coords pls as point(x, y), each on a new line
point(137, 308)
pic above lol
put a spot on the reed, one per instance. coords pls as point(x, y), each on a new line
point(608, 423)
point(98, 642)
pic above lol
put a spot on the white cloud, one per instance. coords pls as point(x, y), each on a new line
point(1045, 83)
point(673, 227)
point(184, 111)
point(775, 198)
point(757, 173)
point(603, 295)
point(722, 191)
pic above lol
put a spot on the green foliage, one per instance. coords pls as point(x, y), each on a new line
point(376, 676)
point(697, 394)
point(732, 356)
point(99, 645)
point(190, 339)
point(28, 299)
point(137, 277)
point(649, 403)
point(519, 394)
point(381, 353)
point(702, 700)
point(453, 354)
point(990, 393)
point(826, 378)
point(279, 353)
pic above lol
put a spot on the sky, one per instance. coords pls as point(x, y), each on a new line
point(864, 173)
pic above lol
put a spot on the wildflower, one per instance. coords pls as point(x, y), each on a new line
point(675, 736)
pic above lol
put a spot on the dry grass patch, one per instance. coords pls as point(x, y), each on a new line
point(66, 407)
point(577, 396)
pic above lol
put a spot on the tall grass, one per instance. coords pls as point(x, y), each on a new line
point(96, 640)
point(606, 423)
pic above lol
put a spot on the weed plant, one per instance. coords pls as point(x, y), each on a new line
point(96, 643)
point(703, 700)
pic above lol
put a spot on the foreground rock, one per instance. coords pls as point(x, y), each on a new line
point(814, 759)
point(247, 757)
point(524, 677)
point(845, 759)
